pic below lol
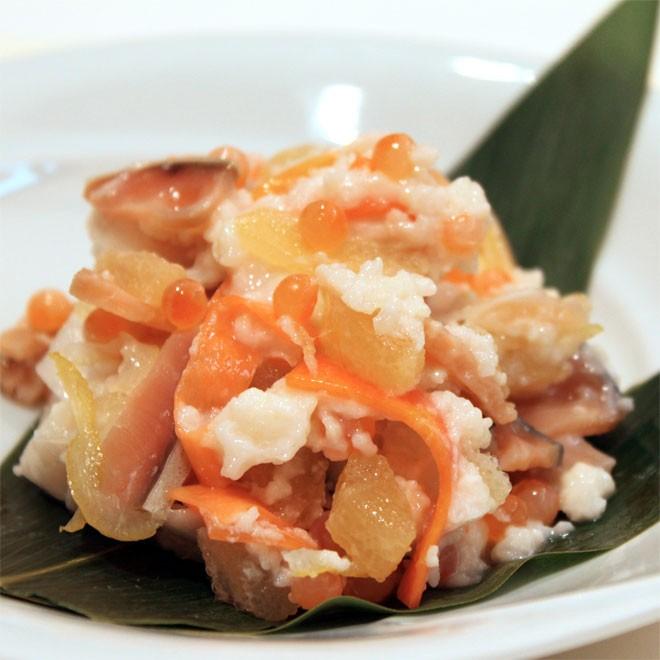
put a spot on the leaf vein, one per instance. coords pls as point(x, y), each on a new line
point(9, 580)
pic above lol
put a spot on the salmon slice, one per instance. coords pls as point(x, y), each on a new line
point(587, 403)
point(519, 447)
point(458, 359)
point(171, 200)
point(137, 445)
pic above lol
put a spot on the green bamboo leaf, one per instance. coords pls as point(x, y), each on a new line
point(141, 584)
point(552, 167)
point(538, 168)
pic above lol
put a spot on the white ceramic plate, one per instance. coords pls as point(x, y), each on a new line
point(68, 116)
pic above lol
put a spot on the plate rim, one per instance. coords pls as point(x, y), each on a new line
point(425, 41)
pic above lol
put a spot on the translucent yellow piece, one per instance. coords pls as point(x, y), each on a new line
point(495, 251)
point(535, 334)
point(348, 338)
point(286, 158)
point(281, 182)
point(273, 238)
point(75, 524)
point(84, 458)
point(370, 516)
point(142, 274)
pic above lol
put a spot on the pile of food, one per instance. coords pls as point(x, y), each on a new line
point(320, 374)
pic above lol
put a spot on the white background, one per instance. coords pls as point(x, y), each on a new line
point(541, 28)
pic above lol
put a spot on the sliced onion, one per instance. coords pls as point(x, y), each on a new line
point(84, 457)
point(110, 477)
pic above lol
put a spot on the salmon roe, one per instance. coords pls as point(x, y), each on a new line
point(47, 310)
point(513, 511)
point(184, 303)
point(295, 296)
point(323, 226)
point(393, 156)
point(530, 499)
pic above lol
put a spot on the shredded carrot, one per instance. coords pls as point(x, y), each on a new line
point(223, 508)
point(373, 208)
point(261, 312)
point(220, 368)
point(282, 182)
point(409, 409)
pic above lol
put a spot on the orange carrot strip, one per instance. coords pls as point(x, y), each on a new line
point(411, 410)
point(262, 312)
point(373, 208)
point(232, 515)
point(220, 368)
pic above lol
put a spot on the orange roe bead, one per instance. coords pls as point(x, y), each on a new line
point(393, 156)
point(184, 303)
point(323, 226)
point(512, 512)
point(374, 208)
point(541, 499)
point(515, 509)
point(295, 296)
point(309, 592)
point(47, 310)
point(462, 234)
